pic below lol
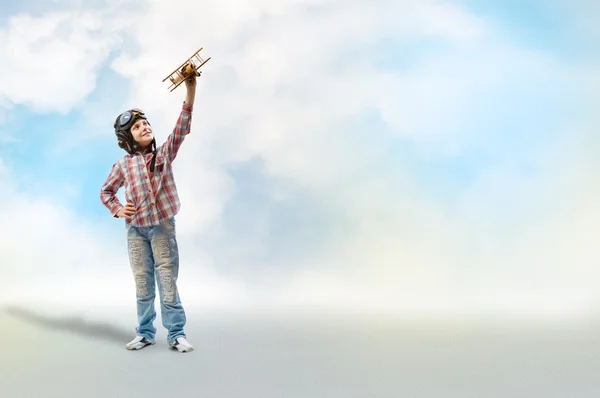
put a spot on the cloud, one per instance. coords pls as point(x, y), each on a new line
point(298, 86)
point(42, 238)
point(283, 75)
point(303, 180)
point(50, 61)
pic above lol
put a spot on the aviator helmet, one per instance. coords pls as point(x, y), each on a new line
point(125, 139)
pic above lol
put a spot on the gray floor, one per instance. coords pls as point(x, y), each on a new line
point(46, 356)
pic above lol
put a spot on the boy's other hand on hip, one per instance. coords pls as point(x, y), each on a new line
point(127, 211)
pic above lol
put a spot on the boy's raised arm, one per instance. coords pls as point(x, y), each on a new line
point(183, 125)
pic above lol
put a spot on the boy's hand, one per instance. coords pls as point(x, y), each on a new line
point(127, 211)
point(190, 85)
point(190, 82)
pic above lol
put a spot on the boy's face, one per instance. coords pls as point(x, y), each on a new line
point(142, 132)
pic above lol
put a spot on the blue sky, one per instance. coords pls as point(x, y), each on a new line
point(431, 127)
point(549, 25)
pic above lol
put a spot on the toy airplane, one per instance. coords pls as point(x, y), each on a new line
point(186, 70)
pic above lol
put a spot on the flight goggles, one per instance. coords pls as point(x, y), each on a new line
point(125, 119)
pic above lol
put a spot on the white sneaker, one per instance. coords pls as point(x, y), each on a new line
point(182, 345)
point(138, 343)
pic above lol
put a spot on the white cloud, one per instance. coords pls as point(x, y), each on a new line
point(41, 237)
point(274, 82)
point(277, 88)
point(282, 79)
point(50, 61)
point(287, 83)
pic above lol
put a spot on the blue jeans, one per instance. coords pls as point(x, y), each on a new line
point(154, 259)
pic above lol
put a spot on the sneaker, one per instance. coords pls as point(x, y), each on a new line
point(182, 345)
point(138, 343)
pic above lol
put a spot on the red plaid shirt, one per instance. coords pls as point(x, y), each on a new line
point(154, 196)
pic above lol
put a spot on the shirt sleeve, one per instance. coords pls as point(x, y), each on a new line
point(108, 193)
point(181, 130)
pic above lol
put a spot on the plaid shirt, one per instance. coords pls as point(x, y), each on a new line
point(154, 196)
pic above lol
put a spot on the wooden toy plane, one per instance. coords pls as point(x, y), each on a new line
point(187, 69)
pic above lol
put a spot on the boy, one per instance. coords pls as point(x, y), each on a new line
point(152, 203)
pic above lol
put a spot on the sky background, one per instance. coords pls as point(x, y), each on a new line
point(431, 158)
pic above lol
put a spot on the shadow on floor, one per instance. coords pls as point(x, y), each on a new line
point(76, 325)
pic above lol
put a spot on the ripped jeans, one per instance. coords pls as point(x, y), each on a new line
point(154, 259)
